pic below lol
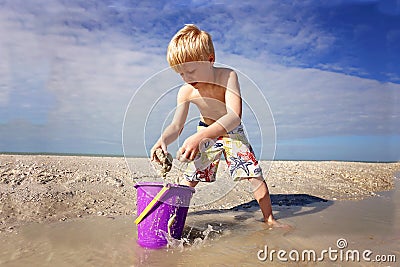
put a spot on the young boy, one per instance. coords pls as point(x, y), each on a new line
point(216, 93)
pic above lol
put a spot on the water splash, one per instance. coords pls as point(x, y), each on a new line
point(194, 238)
point(198, 241)
point(172, 242)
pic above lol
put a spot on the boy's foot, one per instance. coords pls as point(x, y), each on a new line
point(272, 223)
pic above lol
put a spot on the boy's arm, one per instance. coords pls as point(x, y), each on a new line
point(226, 123)
point(233, 102)
point(173, 130)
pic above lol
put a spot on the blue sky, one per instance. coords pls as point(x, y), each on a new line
point(329, 70)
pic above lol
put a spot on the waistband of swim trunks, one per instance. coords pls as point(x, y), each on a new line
point(238, 129)
point(201, 123)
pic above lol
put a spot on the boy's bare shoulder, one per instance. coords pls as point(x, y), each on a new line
point(228, 78)
point(224, 74)
point(225, 70)
point(185, 92)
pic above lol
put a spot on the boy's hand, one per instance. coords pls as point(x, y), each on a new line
point(153, 156)
point(190, 148)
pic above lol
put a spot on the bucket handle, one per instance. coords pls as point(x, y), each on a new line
point(151, 204)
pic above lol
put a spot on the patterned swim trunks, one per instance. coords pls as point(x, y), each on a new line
point(238, 154)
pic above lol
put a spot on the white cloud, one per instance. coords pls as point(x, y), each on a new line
point(86, 81)
point(88, 66)
point(4, 79)
point(310, 102)
point(272, 30)
point(393, 76)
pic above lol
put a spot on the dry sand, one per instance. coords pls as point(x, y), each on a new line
point(41, 188)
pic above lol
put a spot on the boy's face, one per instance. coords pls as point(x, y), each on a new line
point(196, 72)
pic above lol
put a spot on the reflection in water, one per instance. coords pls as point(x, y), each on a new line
point(213, 237)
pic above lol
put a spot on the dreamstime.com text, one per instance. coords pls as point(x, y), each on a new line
point(339, 253)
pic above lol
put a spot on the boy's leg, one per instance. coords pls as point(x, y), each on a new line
point(189, 183)
point(261, 194)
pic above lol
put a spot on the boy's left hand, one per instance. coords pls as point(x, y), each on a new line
point(190, 148)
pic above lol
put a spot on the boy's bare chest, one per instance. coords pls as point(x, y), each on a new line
point(216, 93)
point(211, 103)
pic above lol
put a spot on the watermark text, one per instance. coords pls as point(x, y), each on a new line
point(334, 254)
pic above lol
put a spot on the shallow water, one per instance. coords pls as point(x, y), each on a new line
point(233, 237)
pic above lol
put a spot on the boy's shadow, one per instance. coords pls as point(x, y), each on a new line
point(293, 205)
point(284, 206)
point(289, 205)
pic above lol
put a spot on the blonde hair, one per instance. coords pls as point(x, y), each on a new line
point(190, 44)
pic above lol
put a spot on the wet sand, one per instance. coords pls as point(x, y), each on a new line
point(41, 188)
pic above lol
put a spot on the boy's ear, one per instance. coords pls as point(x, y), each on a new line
point(211, 58)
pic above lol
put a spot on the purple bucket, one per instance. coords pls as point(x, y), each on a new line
point(152, 230)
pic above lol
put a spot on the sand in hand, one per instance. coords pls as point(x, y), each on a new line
point(165, 162)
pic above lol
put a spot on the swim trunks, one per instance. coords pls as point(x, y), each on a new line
point(238, 154)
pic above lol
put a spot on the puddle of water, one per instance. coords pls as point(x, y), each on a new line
point(214, 237)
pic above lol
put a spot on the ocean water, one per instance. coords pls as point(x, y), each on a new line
point(340, 233)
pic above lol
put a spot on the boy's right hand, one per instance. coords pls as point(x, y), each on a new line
point(153, 156)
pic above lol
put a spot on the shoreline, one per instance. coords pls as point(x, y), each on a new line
point(46, 188)
point(51, 154)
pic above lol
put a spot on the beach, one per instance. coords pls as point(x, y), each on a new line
point(80, 211)
point(48, 188)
